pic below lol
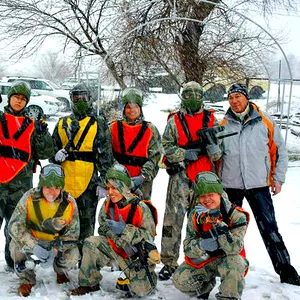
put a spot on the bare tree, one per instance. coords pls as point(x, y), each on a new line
point(216, 45)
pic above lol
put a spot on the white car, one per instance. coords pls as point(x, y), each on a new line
point(44, 87)
point(38, 104)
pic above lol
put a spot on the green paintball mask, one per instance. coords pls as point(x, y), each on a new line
point(80, 107)
point(192, 100)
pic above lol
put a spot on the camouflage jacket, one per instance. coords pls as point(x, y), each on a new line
point(151, 167)
point(132, 235)
point(41, 148)
point(21, 233)
point(237, 232)
point(101, 146)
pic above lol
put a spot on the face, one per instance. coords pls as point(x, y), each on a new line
point(17, 102)
point(51, 193)
point(211, 200)
point(113, 193)
point(238, 102)
point(132, 111)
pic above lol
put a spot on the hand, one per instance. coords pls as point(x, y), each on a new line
point(61, 155)
point(209, 244)
point(45, 256)
point(101, 192)
point(200, 209)
point(221, 228)
point(213, 151)
point(191, 155)
point(115, 226)
point(153, 257)
point(41, 126)
point(130, 250)
point(275, 188)
point(137, 181)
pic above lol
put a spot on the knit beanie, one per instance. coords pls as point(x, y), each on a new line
point(19, 87)
point(238, 88)
point(206, 183)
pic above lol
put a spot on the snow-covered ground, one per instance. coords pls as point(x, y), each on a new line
point(261, 282)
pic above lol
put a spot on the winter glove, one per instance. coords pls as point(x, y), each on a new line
point(41, 126)
point(61, 155)
point(214, 151)
point(130, 250)
point(209, 244)
point(137, 181)
point(45, 256)
point(153, 257)
point(101, 192)
point(55, 224)
point(191, 154)
point(115, 226)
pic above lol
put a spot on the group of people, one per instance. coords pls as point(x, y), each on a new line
point(210, 173)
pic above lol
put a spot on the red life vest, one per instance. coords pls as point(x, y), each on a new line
point(203, 228)
point(131, 214)
point(130, 144)
point(15, 145)
point(194, 123)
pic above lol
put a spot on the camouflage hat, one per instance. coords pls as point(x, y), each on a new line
point(52, 175)
point(119, 172)
point(19, 87)
point(132, 94)
point(206, 183)
point(238, 88)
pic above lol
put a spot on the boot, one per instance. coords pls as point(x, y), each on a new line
point(203, 296)
point(166, 272)
point(288, 274)
point(81, 290)
point(62, 278)
point(24, 290)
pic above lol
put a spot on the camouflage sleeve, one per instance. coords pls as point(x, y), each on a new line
point(17, 225)
point(132, 235)
point(215, 152)
point(43, 145)
point(73, 229)
point(56, 142)
point(150, 168)
point(170, 143)
point(191, 243)
point(103, 227)
point(237, 234)
point(102, 146)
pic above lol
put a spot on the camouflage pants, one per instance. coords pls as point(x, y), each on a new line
point(66, 261)
point(230, 269)
point(9, 199)
point(177, 203)
point(97, 253)
point(146, 189)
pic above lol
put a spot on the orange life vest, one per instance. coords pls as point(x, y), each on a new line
point(130, 144)
point(187, 133)
point(205, 228)
point(131, 214)
point(15, 145)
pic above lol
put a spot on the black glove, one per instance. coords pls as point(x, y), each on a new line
point(191, 155)
point(41, 126)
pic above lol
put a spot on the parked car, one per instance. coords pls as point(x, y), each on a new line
point(45, 87)
point(38, 104)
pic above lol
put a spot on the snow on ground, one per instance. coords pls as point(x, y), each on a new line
point(261, 282)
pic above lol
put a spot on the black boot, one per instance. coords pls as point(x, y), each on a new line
point(203, 296)
point(288, 274)
point(166, 272)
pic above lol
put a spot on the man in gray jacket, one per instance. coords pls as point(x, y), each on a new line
point(255, 162)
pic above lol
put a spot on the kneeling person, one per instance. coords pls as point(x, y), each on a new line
point(126, 235)
point(214, 243)
point(45, 224)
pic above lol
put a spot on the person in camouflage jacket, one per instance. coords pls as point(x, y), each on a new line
point(23, 142)
point(122, 231)
point(214, 244)
point(183, 161)
point(83, 148)
point(45, 223)
point(136, 143)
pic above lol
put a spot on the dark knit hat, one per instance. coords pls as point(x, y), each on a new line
point(19, 87)
point(239, 88)
point(206, 183)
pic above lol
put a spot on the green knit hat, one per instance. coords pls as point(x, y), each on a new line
point(119, 172)
point(52, 175)
point(19, 87)
point(132, 94)
point(207, 182)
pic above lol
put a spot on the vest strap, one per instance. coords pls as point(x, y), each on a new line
point(11, 152)
point(126, 159)
point(22, 129)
